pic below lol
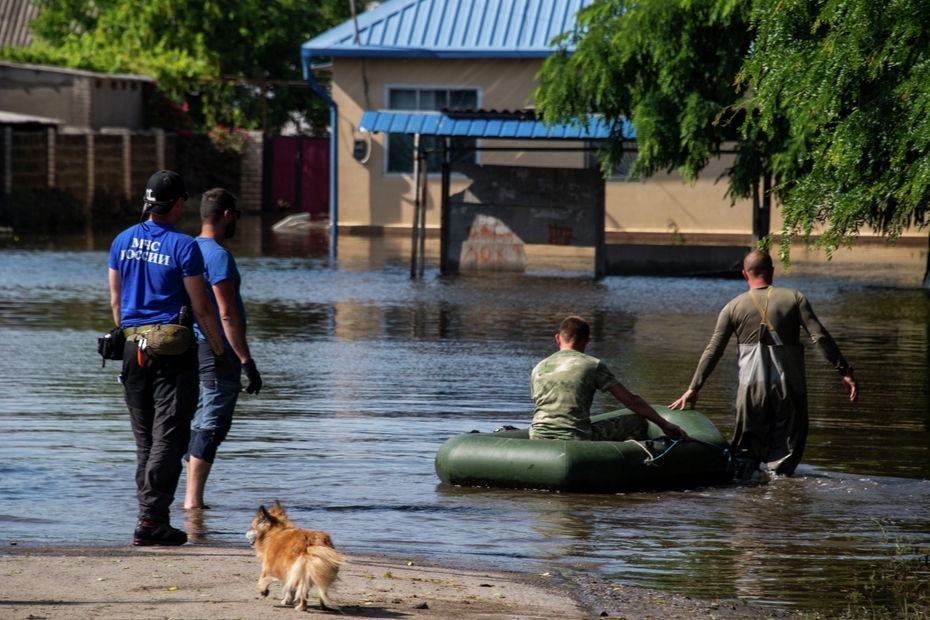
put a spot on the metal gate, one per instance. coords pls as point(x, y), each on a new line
point(297, 176)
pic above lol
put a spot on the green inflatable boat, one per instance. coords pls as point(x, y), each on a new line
point(510, 459)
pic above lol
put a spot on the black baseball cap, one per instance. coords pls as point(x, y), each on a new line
point(164, 189)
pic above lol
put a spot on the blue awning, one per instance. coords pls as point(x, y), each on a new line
point(483, 126)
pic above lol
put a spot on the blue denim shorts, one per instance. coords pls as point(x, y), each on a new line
point(216, 405)
point(213, 418)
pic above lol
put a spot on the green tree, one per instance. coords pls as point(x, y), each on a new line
point(827, 102)
point(669, 66)
point(851, 79)
point(210, 58)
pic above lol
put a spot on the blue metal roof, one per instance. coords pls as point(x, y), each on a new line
point(450, 29)
point(482, 126)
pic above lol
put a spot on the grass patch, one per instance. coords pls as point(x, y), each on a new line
point(896, 589)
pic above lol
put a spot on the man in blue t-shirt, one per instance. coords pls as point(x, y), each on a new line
point(219, 217)
point(156, 273)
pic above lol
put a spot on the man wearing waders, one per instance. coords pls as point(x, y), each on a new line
point(771, 401)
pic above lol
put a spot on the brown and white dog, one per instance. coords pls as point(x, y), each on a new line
point(298, 558)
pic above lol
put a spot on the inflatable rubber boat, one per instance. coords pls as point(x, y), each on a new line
point(510, 459)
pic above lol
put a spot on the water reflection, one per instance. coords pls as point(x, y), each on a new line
point(367, 372)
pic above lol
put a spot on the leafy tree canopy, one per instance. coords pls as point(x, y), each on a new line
point(191, 47)
point(827, 98)
point(851, 78)
point(667, 65)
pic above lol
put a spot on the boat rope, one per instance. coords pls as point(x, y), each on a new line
point(650, 460)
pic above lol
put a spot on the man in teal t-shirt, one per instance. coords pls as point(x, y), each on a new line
point(564, 385)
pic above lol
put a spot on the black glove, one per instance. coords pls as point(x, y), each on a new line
point(223, 367)
point(255, 379)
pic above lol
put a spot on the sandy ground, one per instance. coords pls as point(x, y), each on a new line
point(210, 583)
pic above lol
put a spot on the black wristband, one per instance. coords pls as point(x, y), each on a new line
point(845, 370)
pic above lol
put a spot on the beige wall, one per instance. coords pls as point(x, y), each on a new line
point(79, 99)
point(117, 103)
point(663, 205)
point(368, 195)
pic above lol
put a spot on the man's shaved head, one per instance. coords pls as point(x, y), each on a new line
point(758, 264)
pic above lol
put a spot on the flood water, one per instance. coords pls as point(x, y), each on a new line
point(367, 372)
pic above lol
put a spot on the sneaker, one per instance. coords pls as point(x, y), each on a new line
point(153, 533)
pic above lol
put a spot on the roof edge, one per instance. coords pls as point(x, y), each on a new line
point(81, 72)
point(484, 124)
point(426, 53)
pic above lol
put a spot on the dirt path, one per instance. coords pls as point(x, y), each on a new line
point(210, 583)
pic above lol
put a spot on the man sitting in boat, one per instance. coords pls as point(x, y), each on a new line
point(563, 389)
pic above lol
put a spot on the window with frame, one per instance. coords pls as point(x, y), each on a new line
point(400, 146)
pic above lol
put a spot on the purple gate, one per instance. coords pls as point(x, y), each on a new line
point(297, 174)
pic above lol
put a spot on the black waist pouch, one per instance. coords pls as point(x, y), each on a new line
point(110, 345)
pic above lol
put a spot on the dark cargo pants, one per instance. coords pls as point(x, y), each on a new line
point(161, 396)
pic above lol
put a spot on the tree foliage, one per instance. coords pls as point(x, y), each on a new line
point(667, 65)
point(192, 48)
point(851, 78)
point(827, 98)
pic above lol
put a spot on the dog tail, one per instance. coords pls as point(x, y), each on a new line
point(323, 569)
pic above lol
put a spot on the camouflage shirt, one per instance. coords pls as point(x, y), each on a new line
point(563, 389)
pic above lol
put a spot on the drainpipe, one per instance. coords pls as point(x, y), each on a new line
point(333, 161)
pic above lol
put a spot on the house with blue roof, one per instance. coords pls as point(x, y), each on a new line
point(408, 67)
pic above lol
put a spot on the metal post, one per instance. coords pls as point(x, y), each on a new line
point(425, 167)
point(333, 162)
point(600, 243)
point(444, 210)
point(416, 204)
point(333, 181)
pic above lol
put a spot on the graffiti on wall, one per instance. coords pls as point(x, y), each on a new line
point(516, 206)
point(492, 246)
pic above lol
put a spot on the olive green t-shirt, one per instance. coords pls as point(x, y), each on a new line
point(563, 389)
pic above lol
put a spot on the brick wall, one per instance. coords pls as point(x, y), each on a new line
point(144, 163)
point(71, 164)
point(108, 164)
point(29, 162)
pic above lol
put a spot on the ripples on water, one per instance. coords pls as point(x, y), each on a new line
point(368, 372)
